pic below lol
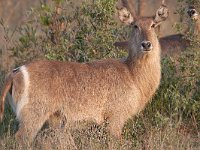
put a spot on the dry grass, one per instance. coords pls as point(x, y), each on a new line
point(94, 137)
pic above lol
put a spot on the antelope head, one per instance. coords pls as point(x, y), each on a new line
point(143, 37)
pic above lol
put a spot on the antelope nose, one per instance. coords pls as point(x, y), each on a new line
point(146, 45)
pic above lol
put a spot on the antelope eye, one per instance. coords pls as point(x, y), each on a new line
point(153, 25)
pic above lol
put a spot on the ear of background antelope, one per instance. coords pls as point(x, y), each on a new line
point(193, 23)
point(196, 22)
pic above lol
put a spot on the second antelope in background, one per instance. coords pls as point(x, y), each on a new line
point(176, 43)
point(108, 89)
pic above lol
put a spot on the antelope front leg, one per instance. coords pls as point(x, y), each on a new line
point(115, 126)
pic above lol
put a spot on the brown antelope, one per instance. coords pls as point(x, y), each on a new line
point(108, 89)
point(173, 44)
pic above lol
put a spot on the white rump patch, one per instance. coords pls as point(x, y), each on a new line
point(25, 97)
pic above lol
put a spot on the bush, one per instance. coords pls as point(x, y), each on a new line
point(86, 33)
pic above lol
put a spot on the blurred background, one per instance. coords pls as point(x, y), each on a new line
point(14, 14)
point(14, 11)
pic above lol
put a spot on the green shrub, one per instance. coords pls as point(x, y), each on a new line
point(86, 33)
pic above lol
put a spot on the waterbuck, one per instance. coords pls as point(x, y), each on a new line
point(176, 43)
point(109, 90)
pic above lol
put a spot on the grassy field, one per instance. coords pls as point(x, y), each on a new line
point(170, 121)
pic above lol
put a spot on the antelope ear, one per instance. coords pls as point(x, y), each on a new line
point(125, 16)
point(161, 14)
point(192, 12)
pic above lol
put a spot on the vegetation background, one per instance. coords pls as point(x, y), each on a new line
point(49, 31)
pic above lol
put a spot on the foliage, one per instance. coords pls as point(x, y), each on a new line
point(87, 32)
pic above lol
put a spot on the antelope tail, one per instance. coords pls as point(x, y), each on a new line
point(6, 88)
